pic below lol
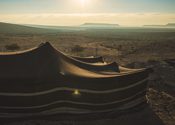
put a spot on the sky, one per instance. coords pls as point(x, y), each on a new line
point(77, 12)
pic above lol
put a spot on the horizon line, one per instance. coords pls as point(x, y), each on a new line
point(28, 24)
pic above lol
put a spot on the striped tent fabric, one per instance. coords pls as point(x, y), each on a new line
point(44, 81)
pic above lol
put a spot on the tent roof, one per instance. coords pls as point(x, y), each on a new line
point(46, 61)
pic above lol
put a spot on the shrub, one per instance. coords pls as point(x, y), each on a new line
point(12, 47)
point(77, 48)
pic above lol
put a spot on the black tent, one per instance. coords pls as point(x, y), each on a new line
point(45, 81)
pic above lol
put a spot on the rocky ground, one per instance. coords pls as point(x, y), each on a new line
point(161, 92)
point(139, 50)
point(163, 105)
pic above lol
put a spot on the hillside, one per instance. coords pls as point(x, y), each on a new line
point(169, 25)
point(62, 28)
point(21, 29)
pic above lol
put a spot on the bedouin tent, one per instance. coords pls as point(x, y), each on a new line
point(45, 81)
point(91, 59)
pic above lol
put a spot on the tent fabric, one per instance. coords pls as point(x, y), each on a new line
point(45, 81)
point(89, 59)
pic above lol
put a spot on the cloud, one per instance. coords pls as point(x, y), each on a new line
point(125, 19)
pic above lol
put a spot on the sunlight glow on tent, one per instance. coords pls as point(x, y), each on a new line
point(76, 92)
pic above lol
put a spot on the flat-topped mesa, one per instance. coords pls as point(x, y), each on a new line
point(171, 24)
point(98, 25)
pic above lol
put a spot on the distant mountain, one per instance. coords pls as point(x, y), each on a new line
point(154, 25)
point(99, 25)
point(169, 25)
point(21, 29)
point(55, 27)
point(45, 29)
point(81, 27)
